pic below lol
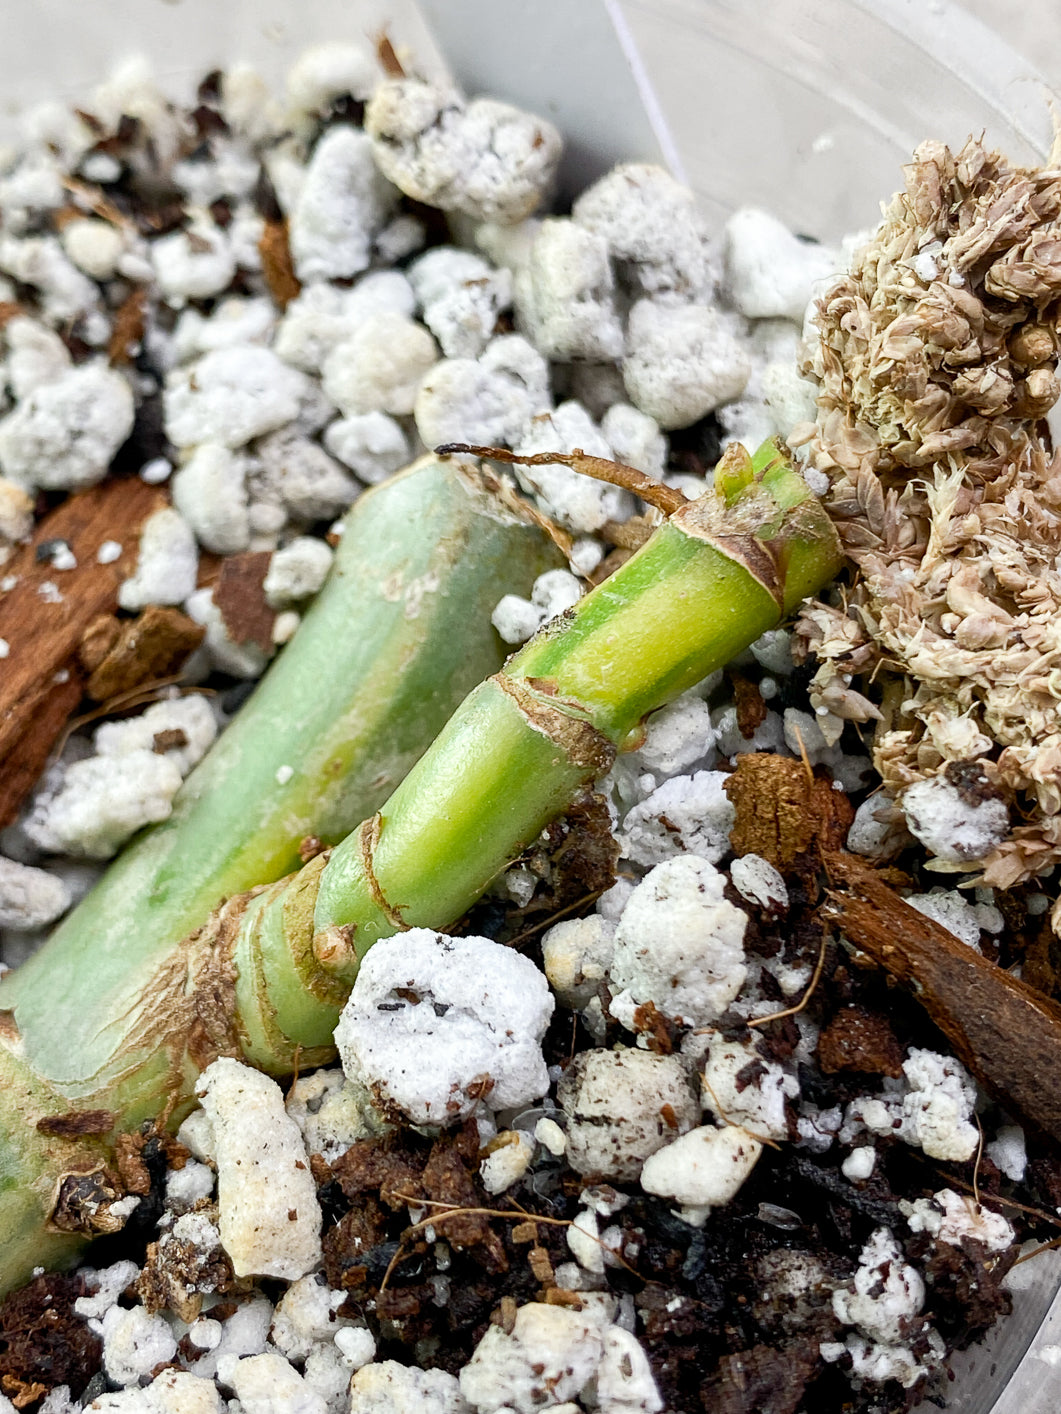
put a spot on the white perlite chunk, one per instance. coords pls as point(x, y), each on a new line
point(324, 72)
point(615, 1102)
point(479, 1016)
point(269, 1217)
point(489, 401)
point(230, 396)
point(859, 1163)
point(635, 439)
point(704, 1169)
point(950, 1217)
point(757, 880)
point(461, 296)
point(625, 1382)
point(878, 830)
point(40, 261)
point(379, 368)
point(191, 716)
point(63, 435)
point(887, 1295)
point(301, 478)
point(102, 802)
point(134, 1342)
point(307, 1315)
point(957, 914)
point(552, 593)
point(332, 1112)
point(886, 1291)
point(193, 264)
point(769, 272)
point(576, 954)
point(950, 824)
point(30, 898)
point(566, 295)
point(35, 355)
point(682, 362)
point(551, 1353)
point(386, 1387)
point(343, 204)
point(485, 159)
point(931, 1108)
point(210, 491)
point(297, 571)
point(758, 1104)
point(371, 444)
point(699, 817)
point(507, 1164)
point(680, 942)
point(678, 735)
point(324, 315)
point(166, 564)
point(267, 1384)
point(1007, 1151)
point(652, 227)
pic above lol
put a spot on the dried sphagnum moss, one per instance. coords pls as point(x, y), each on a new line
point(937, 362)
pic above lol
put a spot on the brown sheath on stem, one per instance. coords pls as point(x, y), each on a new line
point(1005, 1032)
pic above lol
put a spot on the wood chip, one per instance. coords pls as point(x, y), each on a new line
point(156, 644)
point(1006, 1033)
point(240, 599)
point(525, 1232)
point(43, 618)
point(28, 757)
point(128, 328)
point(505, 1315)
point(541, 1266)
point(98, 640)
point(277, 265)
point(784, 812)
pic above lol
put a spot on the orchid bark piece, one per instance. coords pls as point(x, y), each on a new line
point(1004, 1031)
point(266, 977)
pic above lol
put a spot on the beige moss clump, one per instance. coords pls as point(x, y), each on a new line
point(936, 365)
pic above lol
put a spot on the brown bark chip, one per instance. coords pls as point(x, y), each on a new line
point(240, 599)
point(156, 644)
point(277, 265)
point(43, 617)
point(128, 328)
point(1004, 1031)
point(23, 764)
point(784, 811)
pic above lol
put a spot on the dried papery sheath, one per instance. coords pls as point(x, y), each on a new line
point(936, 362)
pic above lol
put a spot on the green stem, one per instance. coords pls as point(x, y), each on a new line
point(125, 1002)
point(266, 977)
point(397, 637)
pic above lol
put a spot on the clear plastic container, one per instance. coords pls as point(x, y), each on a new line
point(806, 107)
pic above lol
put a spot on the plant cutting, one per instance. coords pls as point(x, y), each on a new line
point(265, 977)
